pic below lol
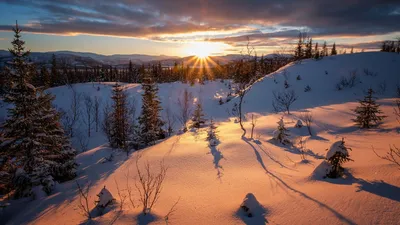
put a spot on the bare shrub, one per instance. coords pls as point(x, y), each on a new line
point(83, 141)
point(368, 72)
point(170, 120)
point(185, 109)
point(149, 185)
point(122, 197)
point(84, 200)
point(96, 112)
point(253, 124)
point(171, 211)
point(70, 117)
point(382, 88)
point(302, 146)
point(307, 118)
point(393, 155)
point(283, 100)
point(349, 81)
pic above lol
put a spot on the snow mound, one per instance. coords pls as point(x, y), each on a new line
point(320, 171)
point(105, 198)
point(336, 147)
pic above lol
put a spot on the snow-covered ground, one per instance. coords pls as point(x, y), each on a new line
point(212, 182)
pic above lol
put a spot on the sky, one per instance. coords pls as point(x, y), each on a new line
point(175, 27)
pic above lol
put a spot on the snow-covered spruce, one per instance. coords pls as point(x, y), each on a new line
point(280, 134)
point(198, 116)
point(211, 134)
point(33, 133)
point(150, 123)
point(337, 154)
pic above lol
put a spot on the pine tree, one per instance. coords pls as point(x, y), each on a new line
point(198, 116)
point(352, 50)
point(308, 51)
point(337, 154)
point(299, 49)
point(316, 51)
point(333, 51)
point(45, 76)
point(212, 137)
point(324, 51)
point(150, 120)
point(34, 137)
point(281, 134)
point(367, 113)
point(120, 128)
point(55, 75)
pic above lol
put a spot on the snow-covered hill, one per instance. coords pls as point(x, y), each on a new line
point(211, 182)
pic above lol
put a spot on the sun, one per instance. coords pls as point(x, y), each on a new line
point(201, 49)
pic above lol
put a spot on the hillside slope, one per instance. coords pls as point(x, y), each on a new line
point(211, 182)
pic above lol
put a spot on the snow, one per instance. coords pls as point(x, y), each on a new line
point(335, 147)
point(211, 181)
point(105, 198)
point(299, 124)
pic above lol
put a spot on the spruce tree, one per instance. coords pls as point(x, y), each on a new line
point(324, 50)
point(150, 123)
point(34, 137)
point(308, 51)
point(55, 75)
point(120, 128)
point(333, 51)
point(45, 76)
point(198, 116)
point(367, 112)
point(316, 51)
point(337, 154)
point(299, 48)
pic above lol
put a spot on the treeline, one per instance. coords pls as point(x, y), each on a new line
point(305, 49)
point(60, 73)
point(391, 46)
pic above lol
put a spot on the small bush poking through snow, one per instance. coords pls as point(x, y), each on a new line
point(299, 124)
point(211, 134)
point(337, 154)
point(249, 204)
point(105, 198)
point(307, 88)
point(281, 134)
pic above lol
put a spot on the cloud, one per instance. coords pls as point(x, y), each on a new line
point(230, 20)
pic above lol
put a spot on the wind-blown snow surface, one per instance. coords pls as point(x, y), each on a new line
point(212, 182)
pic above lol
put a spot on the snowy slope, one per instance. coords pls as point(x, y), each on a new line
point(212, 182)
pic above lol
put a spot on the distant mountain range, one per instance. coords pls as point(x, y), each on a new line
point(82, 59)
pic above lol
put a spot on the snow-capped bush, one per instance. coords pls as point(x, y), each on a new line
point(211, 134)
point(321, 170)
point(105, 198)
point(337, 154)
point(299, 124)
point(251, 207)
point(280, 134)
